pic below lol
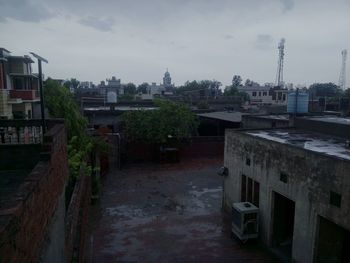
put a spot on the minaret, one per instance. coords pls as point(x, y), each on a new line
point(167, 79)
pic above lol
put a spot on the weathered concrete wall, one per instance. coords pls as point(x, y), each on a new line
point(331, 128)
point(254, 122)
point(311, 177)
point(197, 147)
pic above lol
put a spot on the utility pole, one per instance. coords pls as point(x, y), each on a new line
point(42, 107)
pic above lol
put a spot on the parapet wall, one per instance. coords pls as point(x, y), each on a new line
point(25, 220)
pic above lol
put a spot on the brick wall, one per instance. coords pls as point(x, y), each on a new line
point(24, 222)
point(198, 147)
point(77, 220)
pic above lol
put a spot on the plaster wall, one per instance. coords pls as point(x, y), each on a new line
point(311, 177)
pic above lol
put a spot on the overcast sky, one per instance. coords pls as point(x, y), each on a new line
point(136, 40)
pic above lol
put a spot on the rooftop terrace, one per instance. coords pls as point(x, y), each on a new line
point(320, 143)
point(330, 119)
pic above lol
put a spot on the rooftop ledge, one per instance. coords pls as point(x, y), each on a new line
point(319, 143)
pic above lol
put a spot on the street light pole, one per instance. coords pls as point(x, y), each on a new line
point(42, 107)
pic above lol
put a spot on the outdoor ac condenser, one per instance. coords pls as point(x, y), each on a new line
point(245, 218)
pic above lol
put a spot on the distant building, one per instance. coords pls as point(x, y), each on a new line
point(299, 179)
point(86, 85)
point(113, 85)
point(159, 90)
point(18, 86)
point(167, 79)
point(265, 95)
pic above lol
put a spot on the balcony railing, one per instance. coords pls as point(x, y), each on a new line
point(24, 131)
point(24, 94)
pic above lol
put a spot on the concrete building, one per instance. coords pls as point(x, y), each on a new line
point(255, 121)
point(18, 86)
point(265, 95)
point(299, 179)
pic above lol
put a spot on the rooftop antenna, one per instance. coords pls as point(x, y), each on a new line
point(279, 75)
point(342, 77)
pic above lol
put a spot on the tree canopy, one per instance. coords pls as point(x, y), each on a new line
point(233, 91)
point(60, 103)
point(324, 90)
point(130, 88)
point(142, 88)
point(212, 85)
point(169, 122)
point(236, 81)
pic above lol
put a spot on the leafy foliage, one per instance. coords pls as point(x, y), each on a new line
point(170, 122)
point(126, 97)
point(346, 93)
point(212, 85)
point(236, 81)
point(130, 88)
point(324, 90)
point(233, 91)
point(143, 88)
point(72, 83)
point(61, 104)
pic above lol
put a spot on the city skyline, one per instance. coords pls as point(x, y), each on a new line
point(196, 40)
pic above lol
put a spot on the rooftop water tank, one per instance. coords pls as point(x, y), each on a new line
point(298, 102)
point(111, 97)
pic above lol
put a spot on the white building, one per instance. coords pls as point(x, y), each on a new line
point(265, 95)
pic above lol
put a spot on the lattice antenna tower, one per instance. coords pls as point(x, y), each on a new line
point(342, 77)
point(279, 75)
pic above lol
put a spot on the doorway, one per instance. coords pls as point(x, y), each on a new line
point(333, 242)
point(283, 225)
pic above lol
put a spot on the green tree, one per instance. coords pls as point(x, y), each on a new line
point(130, 88)
point(346, 93)
point(236, 81)
point(233, 91)
point(60, 103)
point(324, 90)
point(142, 88)
point(169, 122)
point(126, 97)
point(212, 85)
point(72, 83)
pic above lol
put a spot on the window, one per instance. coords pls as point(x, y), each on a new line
point(264, 93)
point(284, 96)
point(335, 199)
point(254, 94)
point(259, 94)
point(243, 188)
point(284, 177)
point(250, 190)
point(247, 161)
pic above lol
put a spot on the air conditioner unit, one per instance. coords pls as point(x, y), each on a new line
point(245, 218)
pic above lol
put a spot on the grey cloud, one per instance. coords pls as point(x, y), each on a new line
point(228, 37)
point(287, 5)
point(263, 41)
point(101, 24)
point(23, 10)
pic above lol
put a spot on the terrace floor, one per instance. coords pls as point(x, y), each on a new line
point(166, 213)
